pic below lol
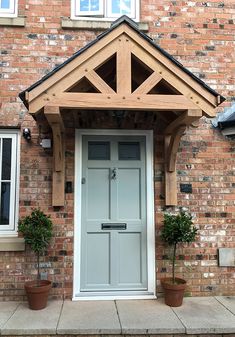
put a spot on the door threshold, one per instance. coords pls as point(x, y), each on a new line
point(109, 297)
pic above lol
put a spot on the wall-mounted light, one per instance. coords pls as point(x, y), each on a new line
point(119, 115)
point(27, 134)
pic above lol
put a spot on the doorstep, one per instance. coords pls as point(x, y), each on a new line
point(197, 316)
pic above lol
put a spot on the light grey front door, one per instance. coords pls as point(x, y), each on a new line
point(114, 233)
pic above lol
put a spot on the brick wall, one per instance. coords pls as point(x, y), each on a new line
point(201, 36)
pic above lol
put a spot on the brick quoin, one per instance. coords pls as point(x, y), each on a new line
point(198, 34)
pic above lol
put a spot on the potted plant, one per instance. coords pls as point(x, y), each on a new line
point(36, 229)
point(177, 229)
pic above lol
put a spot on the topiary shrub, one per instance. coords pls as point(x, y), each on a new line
point(177, 228)
point(36, 229)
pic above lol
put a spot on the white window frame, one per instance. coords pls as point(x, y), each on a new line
point(11, 11)
point(11, 229)
point(106, 14)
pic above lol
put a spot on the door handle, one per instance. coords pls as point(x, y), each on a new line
point(114, 174)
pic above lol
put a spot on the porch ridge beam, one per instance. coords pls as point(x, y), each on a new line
point(148, 84)
point(122, 101)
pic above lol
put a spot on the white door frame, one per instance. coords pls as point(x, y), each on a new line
point(151, 291)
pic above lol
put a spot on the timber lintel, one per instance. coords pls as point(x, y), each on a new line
point(58, 178)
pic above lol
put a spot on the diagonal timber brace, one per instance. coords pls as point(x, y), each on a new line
point(173, 134)
point(58, 177)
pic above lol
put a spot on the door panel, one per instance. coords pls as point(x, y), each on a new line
point(128, 194)
point(98, 259)
point(113, 255)
point(98, 184)
point(130, 258)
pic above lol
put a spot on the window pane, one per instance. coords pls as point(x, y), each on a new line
point(94, 5)
point(121, 7)
point(89, 5)
point(84, 5)
point(6, 159)
point(129, 151)
point(5, 4)
point(98, 151)
point(5, 204)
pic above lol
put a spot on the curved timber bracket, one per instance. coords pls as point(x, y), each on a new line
point(58, 177)
point(173, 134)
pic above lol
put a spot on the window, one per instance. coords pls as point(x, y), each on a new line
point(107, 9)
point(98, 151)
point(8, 181)
point(8, 8)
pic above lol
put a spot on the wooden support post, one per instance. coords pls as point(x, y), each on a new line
point(170, 179)
point(58, 177)
point(173, 148)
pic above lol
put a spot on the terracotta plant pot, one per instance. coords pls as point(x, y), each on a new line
point(37, 294)
point(174, 293)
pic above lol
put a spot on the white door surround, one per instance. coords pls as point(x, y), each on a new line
point(150, 292)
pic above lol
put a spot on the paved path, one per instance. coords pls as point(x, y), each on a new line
point(197, 315)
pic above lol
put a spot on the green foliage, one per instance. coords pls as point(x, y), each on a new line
point(178, 228)
point(36, 229)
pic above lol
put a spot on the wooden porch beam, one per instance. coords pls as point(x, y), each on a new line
point(198, 97)
point(123, 65)
point(185, 119)
point(36, 102)
point(148, 84)
point(169, 65)
point(99, 83)
point(58, 177)
point(123, 101)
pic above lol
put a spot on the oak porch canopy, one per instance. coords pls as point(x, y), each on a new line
point(122, 70)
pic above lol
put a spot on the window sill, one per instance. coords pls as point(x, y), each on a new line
point(14, 22)
point(14, 244)
point(94, 25)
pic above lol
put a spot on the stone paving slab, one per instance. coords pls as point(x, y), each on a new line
point(205, 315)
point(148, 317)
point(6, 311)
point(33, 322)
point(228, 302)
point(89, 317)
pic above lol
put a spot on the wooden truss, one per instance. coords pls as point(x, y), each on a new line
point(122, 71)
